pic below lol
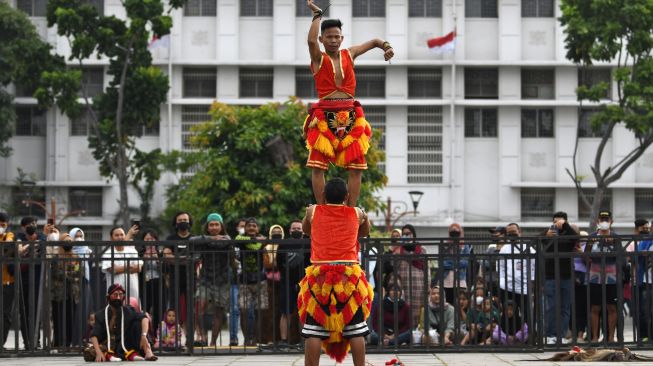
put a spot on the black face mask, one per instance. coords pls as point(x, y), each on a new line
point(410, 247)
point(644, 232)
point(454, 234)
point(30, 230)
point(183, 226)
point(277, 236)
point(116, 303)
point(296, 234)
point(67, 248)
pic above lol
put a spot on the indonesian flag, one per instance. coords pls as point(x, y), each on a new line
point(443, 44)
point(157, 42)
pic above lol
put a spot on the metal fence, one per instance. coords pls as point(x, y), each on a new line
point(440, 294)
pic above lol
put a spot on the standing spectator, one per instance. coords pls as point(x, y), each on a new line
point(388, 334)
point(213, 290)
point(151, 297)
point(489, 265)
point(121, 264)
point(580, 286)
point(516, 274)
point(455, 266)
point(85, 306)
point(8, 252)
point(440, 318)
point(182, 224)
point(253, 289)
point(643, 278)
point(557, 282)
point(291, 266)
point(234, 273)
point(603, 271)
point(65, 289)
point(414, 272)
point(271, 315)
point(30, 277)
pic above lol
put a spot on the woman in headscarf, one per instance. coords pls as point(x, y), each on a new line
point(455, 266)
point(85, 306)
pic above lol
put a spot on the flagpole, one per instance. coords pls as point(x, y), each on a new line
point(170, 92)
point(452, 115)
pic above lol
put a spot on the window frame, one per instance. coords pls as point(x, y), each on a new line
point(302, 11)
point(426, 10)
point(539, 133)
point(189, 118)
point(539, 6)
point(202, 10)
point(582, 131)
point(583, 212)
point(370, 11)
point(527, 81)
point(427, 125)
point(250, 73)
point(365, 78)
point(418, 78)
point(486, 11)
point(538, 196)
point(489, 81)
point(257, 8)
point(303, 80)
point(91, 193)
point(644, 202)
point(484, 112)
point(34, 129)
point(202, 76)
point(590, 79)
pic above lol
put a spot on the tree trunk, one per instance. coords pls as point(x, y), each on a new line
point(121, 173)
point(599, 192)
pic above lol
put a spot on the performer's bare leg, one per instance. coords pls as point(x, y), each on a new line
point(358, 350)
point(312, 350)
point(353, 186)
point(317, 179)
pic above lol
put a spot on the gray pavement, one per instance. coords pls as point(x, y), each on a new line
point(449, 359)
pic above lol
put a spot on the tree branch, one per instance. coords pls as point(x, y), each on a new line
point(616, 175)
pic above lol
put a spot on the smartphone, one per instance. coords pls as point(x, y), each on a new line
point(50, 221)
point(136, 223)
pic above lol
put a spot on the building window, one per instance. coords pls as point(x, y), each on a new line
point(425, 8)
point(368, 8)
point(584, 211)
point(424, 83)
point(92, 82)
point(200, 8)
point(30, 121)
point(481, 9)
point(256, 83)
point(81, 126)
point(480, 122)
point(92, 233)
point(370, 83)
point(585, 128)
point(301, 10)
point(537, 203)
point(537, 8)
point(375, 115)
point(257, 8)
point(191, 115)
point(25, 91)
point(304, 83)
point(151, 129)
point(644, 203)
point(591, 77)
point(537, 83)
point(537, 123)
point(424, 144)
point(33, 8)
point(85, 199)
point(21, 208)
point(200, 82)
point(481, 83)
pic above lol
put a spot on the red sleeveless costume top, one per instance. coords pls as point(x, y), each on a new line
point(325, 77)
point(334, 234)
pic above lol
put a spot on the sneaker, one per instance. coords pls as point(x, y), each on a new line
point(551, 340)
point(282, 345)
point(114, 359)
point(233, 342)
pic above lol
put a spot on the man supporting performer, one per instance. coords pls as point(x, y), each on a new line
point(334, 297)
point(336, 130)
point(120, 332)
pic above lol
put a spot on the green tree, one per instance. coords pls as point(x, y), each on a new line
point(133, 98)
point(23, 58)
point(250, 162)
point(613, 31)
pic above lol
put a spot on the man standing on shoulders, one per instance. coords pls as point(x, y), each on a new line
point(335, 298)
point(8, 251)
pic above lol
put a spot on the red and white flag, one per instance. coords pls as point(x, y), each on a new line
point(156, 42)
point(443, 44)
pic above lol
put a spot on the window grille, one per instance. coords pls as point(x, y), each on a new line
point(481, 9)
point(590, 77)
point(199, 82)
point(537, 8)
point(370, 83)
point(92, 81)
point(537, 83)
point(537, 204)
point(30, 121)
point(425, 8)
point(86, 199)
point(424, 83)
point(304, 83)
point(584, 124)
point(481, 122)
point(537, 123)
point(481, 83)
point(424, 144)
point(368, 8)
point(191, 115)
point(375, 115)
point(257, 8)
point(644, 203)
point(33, 8)
point(19, 195)
point(584, 211)
point(256, 83)
point(200, 8)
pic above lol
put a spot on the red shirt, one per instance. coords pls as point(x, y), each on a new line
point(325, 77)
point(334, 234)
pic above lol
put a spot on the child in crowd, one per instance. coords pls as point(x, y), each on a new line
point(171, 333)
point(90, 322)
point(510, 329)
point(484, 317)
point(463, 311)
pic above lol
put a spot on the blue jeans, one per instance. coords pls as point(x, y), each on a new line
point(550, 310)
point(234, 318)
point(402, 338)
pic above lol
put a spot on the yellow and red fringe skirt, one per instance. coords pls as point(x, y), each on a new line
point(337, 132)
point(334, 303)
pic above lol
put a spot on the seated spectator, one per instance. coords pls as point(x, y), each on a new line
point(484, 318)
point(463, 310)
point(510, 330)
point(440, 316)
point(90, 323)
point(171, 332)
point(391, 336)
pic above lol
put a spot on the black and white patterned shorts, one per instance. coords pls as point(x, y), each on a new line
point(357, 327)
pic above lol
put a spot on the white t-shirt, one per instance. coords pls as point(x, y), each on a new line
point(120, 258)
point(516, 271)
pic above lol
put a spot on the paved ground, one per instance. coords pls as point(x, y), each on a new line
point(450, 359)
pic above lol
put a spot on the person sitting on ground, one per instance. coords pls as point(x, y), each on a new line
point(511, 329)
point(171, 332)
point(393, 297)
point(440, 317)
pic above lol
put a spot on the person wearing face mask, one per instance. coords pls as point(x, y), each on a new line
point(84, 253)
point(273, 275)
point(290, 261)
point(119, 332)
point(517, 275)
point(455, 266)
point(413, 271)
point(8, 252)
point(603, 271)
point(234, 273)
point(643, 279)
point(65, 289)
point(182, 223)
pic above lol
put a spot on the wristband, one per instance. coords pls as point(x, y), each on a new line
point(386, 46)
point(144, 334)
point(317, 14)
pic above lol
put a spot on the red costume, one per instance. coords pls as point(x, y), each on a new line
point(336, 130)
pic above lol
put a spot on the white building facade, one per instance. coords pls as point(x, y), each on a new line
point(487, 144)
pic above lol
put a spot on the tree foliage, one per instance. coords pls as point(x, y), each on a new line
point(23, 58)
point(235, 170)
point(618, 31)
point(136, 89)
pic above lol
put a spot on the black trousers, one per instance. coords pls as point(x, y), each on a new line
point(63, 322)
point(30, 286)
point(7, 305)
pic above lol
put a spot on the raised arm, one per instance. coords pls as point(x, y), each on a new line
point(360, 49)
point(313, 45)
point(306, 222)
point(364, 224)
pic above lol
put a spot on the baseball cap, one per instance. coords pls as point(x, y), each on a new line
point(498, 229)
point(605, 214)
